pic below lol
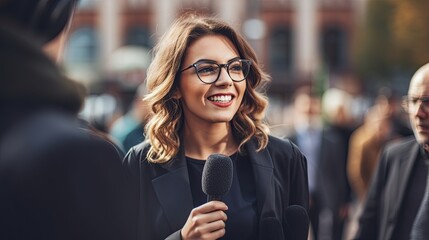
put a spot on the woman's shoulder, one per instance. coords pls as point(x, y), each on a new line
point(136, 155)
point(139, 151)
point(281, 144)
point(284, 150)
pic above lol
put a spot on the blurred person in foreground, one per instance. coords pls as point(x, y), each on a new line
point(58, 180)
point(399, 182)
point(202, 87)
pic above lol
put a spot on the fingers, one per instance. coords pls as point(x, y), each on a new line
point(212, 230)
point(214, 234)
point(210, 207)
point(209, 219)
point(206, 221)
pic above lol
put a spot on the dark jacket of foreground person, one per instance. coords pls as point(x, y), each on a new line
point(58, 180)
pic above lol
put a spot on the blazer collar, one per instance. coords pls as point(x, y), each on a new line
point(171, 195)
point(263, 172)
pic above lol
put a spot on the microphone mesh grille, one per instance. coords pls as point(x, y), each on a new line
point(217, 175)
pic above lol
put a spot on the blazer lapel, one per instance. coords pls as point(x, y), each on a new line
point(263, 173)
point(173, 191)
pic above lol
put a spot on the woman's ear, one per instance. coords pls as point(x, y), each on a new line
point(177, 94)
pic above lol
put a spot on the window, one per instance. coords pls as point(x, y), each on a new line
point(82, 47)
point(138, 36)
point(81, 55)
point(86, 3)
point(334, 48)
point(280, 49)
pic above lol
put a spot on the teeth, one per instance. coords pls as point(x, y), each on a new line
point(223, 98)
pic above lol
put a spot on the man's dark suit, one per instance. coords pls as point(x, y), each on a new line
point(386, 194)
point(165, 202)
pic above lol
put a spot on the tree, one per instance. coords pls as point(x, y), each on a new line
point(393, 39)
point(411, 33)
point(374, 43)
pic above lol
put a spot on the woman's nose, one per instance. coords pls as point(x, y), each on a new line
point(224, 78)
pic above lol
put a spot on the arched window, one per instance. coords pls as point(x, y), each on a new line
point(280, 49)
point(334, 48)
point(82, 46)
point(81, 53)
point(138, 36)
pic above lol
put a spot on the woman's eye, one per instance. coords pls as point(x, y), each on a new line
point(236, 67)
point(207, 69)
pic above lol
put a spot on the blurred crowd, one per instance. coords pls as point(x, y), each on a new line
point(342, 151)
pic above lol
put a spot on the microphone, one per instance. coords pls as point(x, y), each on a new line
point(297, 223)
point(217, 176)
point(271, 229)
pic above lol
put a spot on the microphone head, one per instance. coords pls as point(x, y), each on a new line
point(271, 229)
point(297, 222)
point(217, 176)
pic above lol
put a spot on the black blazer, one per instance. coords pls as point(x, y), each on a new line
point(61, 181)
point(386, 193)
point(165, 199)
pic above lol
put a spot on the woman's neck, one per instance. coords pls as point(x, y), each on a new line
point(200, 142)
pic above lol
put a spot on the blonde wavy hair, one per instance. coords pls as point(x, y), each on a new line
point(164, 126)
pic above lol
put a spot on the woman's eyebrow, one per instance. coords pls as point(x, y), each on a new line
point(213, 61)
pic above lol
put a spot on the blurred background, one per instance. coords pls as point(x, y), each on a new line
point(336, 65)
point(355, 45)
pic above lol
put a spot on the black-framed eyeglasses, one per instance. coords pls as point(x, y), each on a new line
point(411, 104)
point(208, 71)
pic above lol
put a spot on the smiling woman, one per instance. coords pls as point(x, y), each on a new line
point(203, 86)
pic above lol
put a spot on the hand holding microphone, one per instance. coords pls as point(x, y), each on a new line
point(208, 220)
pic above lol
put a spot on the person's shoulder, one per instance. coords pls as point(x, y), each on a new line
point(286, 157)
point(400, 145)
point(282, 146)
point(52, 139)
point(283, 143)
point(140, 149)
point(136, 155)
point(51, 130)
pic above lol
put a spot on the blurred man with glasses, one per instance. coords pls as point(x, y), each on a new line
point(398, 187)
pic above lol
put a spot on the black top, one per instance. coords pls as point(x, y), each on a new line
point(242, 212)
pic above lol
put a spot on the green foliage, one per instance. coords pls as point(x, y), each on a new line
point(394, 37)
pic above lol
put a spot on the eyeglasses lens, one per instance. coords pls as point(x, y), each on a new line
point(412, 104)
point(210, 72)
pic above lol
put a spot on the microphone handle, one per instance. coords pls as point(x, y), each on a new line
point(214, 198)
